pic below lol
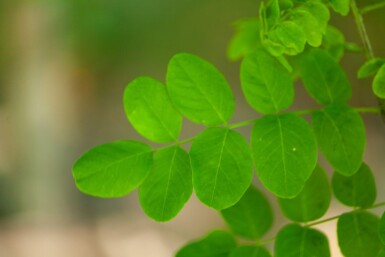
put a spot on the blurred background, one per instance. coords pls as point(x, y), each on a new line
point(63, 69)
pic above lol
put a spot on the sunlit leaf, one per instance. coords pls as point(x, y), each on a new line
point(285, 153)
point(319, 11)
point(113, 169)
point(358, 190)
point(310, 26)
point(168, 186)
point(251, 217)
point(222, 167)
point(198, 90)
point(150, 111)
point(216, 244)
point(341, 137)
point(340, 6)
point(290, 35)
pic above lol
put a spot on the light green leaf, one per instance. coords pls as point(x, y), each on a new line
point(113, 169)
point(358, 234)
point(358, 190)
point(168, 186)
point(370, 67)
point(296, 241)
point(379, 83)
point(313, 201)
point(285, 153)
point(267, 85)
point(216, 244)
point(246, 40)
point(290, 35)
point(310, 26)
point(381, 229)
point(319, 11)
point(341, 137)
point(324, 78)
point(150, 111)
point(334, 42)
point(340, 6)
point(250, 251)
point(220, 160)
point(198, 90)
point(251, 217)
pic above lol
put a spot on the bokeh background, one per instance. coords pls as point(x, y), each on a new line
point(63, 68)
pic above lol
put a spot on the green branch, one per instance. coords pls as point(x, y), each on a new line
point(372, 7)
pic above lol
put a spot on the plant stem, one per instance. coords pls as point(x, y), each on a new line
point(362, 30)
point(372, 7)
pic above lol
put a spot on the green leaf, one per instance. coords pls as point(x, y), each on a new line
point(216, 244)
point(251, 217)
point(324, 78)
point(168, 186)
point(199, 91)
point(358, 190)
point(370, 67)
point(113, 169)
point(341, 137)
point(273, 13)
point(285, 153)
point(267, 85)
point(313, 201)
point(334, 42)
point(381, 253)
point(246, 40)
point(381, 229)
point(290, 35)
point(309, 25)
point(358, 234)
point(296, 241)
point(250, 251)
point(319, 11)
point(379, 83)
point(220, 160)
point(150, 111)
point(340, 6)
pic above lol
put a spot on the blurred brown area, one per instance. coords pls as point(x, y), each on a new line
point(63, 69)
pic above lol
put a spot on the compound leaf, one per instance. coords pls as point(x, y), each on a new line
point(267, 85)
point(113, 169)
point(379, 83)
point(215, 244)
point(150, 111)
point(285, 153)
point(198, 90)
point(323, 77)
point(250, 251)
point(313, 201)
point(358, 234)
point(251, 217)
point(341, 137)
point(296, 241)
point(168, 186)
point(358, 190)
point(370, 67)
point(220, 160)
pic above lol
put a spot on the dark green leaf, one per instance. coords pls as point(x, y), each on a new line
point(290, 35)
point(250, 251)
point(168, 186)
point(216, 244)
point(296, 241)
point(381, 229)
point(251, 217)
point(285, 153)
point(358, 234)
point(113, 169)
point(381, 253)
point(370, 67)
point(150, 111)
point(221, 161)
point(379, 83)
point(340, 6)
point(341, 137)
point(313, 201)
point(198, 90)
point(267, 85)
point(358, 190)
point(324, 78)
point(246, 40)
